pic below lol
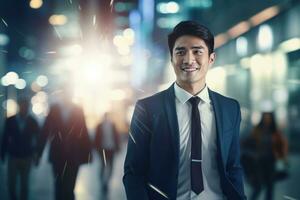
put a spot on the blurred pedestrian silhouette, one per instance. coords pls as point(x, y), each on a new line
point(70, 147)
point(19, 143)
point(263, 149)
point(107, 144)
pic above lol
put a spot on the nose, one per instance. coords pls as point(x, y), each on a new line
point(189, 58)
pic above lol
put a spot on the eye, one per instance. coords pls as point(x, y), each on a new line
point(180, 52)
point(198, 51)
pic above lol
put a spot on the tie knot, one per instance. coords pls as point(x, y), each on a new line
point(194, 101)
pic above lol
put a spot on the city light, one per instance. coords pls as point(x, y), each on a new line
point(241, 46)
point(265, 37)
point(239, 29)
point(264, 15)
point(40, 103)
point(58, 20)
point(35, 87)
point(11, 107)
point(216, 78)
point(36, 4)
point(10, 78)
point(4, 81)
point(290, 45)
point(168, 8)
point(42, 80)
point(20, 84)
point(4, 39)
point(221, 39)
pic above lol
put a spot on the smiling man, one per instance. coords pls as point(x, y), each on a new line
point(184, 141)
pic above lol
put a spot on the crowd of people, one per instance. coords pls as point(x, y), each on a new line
point(23, 143)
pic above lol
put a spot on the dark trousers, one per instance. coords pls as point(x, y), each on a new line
point(107, 157)
point(257, 189)
point(264, 179)
point(18, 167)
point(65, 180)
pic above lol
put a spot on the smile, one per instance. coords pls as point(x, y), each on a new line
point(190, 69)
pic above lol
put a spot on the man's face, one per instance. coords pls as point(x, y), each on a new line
point(191, 60)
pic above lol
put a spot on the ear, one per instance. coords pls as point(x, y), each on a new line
point(171, 58)
point(212, 58)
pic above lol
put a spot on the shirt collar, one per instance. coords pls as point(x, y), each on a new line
point(183, 96)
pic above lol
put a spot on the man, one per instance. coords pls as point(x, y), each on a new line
point(107, 144)
point(184, 141)
point(70, 147)
point(19, 143)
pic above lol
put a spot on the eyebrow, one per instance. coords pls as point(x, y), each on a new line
point(179, 48)
point(193, 47)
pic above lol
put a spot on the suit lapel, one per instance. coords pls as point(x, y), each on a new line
point(219, 125)
point(169, 101)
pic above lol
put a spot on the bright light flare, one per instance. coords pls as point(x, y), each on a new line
point(95, 78)
point(92, 79)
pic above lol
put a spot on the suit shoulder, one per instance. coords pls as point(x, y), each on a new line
point(153, 99)
point(225, 99)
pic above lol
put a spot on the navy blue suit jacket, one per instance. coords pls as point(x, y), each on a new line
point(151, 165)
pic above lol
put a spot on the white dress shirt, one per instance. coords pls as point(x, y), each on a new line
point(211, 179)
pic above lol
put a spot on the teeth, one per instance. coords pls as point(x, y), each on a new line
point(189, 69)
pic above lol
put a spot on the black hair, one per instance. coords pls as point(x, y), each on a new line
point(272, 127)
point(191, 28)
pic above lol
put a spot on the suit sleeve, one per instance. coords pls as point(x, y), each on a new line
point(137, 157)
point(235, 170)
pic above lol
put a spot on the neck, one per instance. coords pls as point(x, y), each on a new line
point(193, 89)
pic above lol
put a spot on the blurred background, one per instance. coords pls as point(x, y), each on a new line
point(110, 53)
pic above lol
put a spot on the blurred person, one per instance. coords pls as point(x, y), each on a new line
point(184, 141)
point(265, 145)
point(107, 144)
point(70, 147)
point(19, 144)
